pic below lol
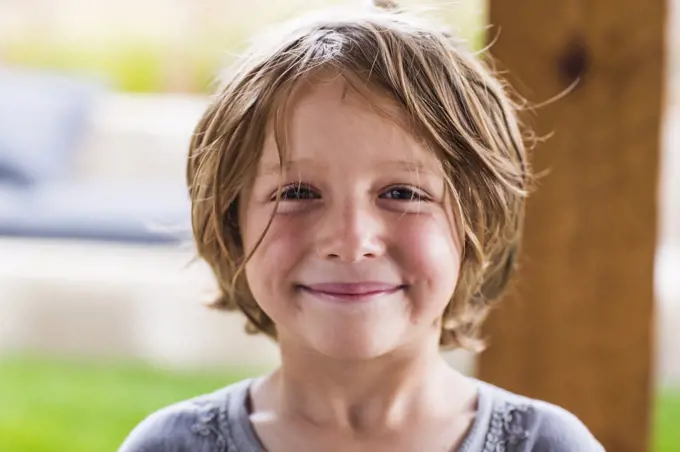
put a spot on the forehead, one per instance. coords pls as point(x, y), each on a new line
point(330, 115)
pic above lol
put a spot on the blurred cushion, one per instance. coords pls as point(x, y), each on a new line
point(133, 213)
point(11, 174)
point(42, 118)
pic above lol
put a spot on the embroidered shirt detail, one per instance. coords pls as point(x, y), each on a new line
point(207, 424)
point(508, 427)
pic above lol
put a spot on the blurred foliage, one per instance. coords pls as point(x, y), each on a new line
point(132, 66)
point(186, 63)
point(49, 405)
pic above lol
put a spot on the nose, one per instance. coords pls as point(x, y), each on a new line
point(350, 233)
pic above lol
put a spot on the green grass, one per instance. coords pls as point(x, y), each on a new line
point(74, 406)
point(48, 405)
point(667, 421)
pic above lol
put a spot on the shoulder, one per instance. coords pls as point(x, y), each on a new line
point(196, 424)
point(530, 425)
point(556, 429)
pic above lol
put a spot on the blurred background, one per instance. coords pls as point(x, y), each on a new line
point(101, 319)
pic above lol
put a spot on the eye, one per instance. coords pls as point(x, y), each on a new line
point(296, 192)
point(404, 194)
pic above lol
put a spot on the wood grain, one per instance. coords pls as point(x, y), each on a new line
point(577, 328)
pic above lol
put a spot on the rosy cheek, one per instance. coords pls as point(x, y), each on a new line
point(280, 248)
point(430, 245)
point(287, 232)
point(258, 217)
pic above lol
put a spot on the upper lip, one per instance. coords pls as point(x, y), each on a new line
point(353, 288)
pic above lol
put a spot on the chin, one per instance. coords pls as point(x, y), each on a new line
point(353, 347)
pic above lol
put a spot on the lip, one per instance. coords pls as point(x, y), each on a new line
point(360, 291)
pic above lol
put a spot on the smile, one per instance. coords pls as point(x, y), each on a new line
point(357, 292)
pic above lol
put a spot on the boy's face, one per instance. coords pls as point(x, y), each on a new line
point(361, 258)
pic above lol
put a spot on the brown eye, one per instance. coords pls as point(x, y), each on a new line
point(297, 192)
point(404, 194)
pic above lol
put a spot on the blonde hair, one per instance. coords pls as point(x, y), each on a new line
point(460, 109)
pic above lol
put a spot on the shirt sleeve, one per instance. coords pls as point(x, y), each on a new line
point(178, 428)
point(557, 430)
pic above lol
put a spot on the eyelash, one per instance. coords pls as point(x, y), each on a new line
point(295, 189)
point(416, 194)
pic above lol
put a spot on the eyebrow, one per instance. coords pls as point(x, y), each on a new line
point(412, 165)
point(273, 168)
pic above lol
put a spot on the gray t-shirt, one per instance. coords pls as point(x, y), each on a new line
point(219, 422)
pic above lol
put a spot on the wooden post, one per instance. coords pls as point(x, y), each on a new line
point(577, 330)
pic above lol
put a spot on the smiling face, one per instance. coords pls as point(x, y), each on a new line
point(361, 257)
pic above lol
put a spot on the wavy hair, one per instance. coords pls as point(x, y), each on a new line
point(454, 101)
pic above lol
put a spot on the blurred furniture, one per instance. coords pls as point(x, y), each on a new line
point(85, 268)
point(103, 300)
point(44, 121)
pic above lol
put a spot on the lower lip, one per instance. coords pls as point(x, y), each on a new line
point(350, 298)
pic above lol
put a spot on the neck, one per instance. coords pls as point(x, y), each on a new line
point(363, 395)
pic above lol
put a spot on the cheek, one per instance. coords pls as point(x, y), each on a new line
point(431, 253)
point(276, 256)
